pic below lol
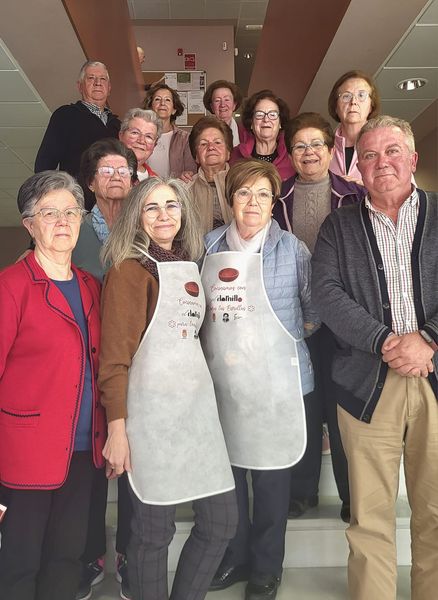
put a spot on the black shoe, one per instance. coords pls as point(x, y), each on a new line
point(345, 512)
point(299, 507)
point(226, 576)
point(122, 577)
point(262, 587)
point(92, 573)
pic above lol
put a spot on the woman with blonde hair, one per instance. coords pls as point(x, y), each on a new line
point(163, 423)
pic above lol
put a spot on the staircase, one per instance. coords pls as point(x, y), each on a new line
point(317, 539)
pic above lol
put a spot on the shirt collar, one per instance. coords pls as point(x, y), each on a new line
point(412, 200)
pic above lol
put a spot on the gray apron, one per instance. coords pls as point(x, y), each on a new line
point(178, 451)
point(253, 361)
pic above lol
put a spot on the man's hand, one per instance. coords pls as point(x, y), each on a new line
point(409, 355)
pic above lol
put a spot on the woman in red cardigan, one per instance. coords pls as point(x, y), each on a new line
point(52, 427)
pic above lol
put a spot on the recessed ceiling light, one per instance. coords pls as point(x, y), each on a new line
point(407, 85)
point(248, 55)
point(253, 27)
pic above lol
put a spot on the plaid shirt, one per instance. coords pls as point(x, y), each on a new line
point(102, 114)
point(394, 241)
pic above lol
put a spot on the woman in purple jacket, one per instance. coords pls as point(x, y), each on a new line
point(305, 201)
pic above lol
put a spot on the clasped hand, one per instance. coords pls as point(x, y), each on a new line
point(409, 355)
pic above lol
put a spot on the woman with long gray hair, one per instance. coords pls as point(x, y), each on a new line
point(163, 425)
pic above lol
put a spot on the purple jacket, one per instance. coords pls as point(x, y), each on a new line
point(282, 162)
point(342, 193)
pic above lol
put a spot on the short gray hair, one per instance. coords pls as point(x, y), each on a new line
point(91, 63)
point(147, 115)
point(40, 184)
point(392, 122)
point(128, 238)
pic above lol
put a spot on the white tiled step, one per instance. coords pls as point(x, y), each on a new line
point(297, 584)
point(317, 539)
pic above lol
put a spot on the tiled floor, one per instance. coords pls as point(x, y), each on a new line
point(297, 584)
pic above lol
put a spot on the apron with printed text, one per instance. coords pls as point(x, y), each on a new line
point(253, 361)
point(178, 452)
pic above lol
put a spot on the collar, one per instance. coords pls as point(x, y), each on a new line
point(413, 199)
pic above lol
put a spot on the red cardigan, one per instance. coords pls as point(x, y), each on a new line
point(42, 366)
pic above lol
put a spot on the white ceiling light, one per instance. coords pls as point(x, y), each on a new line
point(248, 55)
point(407, 85)
point(253, 27)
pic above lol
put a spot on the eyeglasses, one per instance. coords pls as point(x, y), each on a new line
point(153, 211)
point(108, 171)
point(271, 114)
point(136, 134)
point(262, 197)
point(52, 215)
point(347, 97)
point(315, 145)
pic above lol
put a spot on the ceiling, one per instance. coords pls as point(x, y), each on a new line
point(403, 43)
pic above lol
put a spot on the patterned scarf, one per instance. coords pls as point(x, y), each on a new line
point(161, 255)
point(99, 224)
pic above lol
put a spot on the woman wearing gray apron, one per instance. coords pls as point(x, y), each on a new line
point(256, 279)
point(163, 423)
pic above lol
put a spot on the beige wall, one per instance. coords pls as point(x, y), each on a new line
point(160, 44)
point(13, 242)
point(427, 168)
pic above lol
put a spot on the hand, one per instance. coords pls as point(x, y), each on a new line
point(116, 450)
point(353, 179)
point(187, 176)
point(408, 354)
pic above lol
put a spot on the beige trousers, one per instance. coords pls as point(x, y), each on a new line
point(405, 421)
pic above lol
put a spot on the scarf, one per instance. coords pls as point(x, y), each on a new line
point(252, 245)
point(99, 224)
point(161, 255)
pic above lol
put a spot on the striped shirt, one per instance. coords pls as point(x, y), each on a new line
point(102, 114)
point(395, 244)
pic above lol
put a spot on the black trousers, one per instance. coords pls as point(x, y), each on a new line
point(260, 543)
point(153, 528)
point(43, 537)
point(96, 536)
point(321, 406)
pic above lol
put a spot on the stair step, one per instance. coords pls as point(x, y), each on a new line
point(317, 539)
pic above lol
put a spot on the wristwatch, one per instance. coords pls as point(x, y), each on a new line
point(427, 338)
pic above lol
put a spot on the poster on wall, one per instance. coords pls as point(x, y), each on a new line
point(190, 61)
point(182, 119)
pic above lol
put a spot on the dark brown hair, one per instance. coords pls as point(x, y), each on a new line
point(244, 171)
point(250, 104)
point(205, 123)
point(177, 104)
point(305, 120)
point(355, 74)
point(222, 83)
point(100, 149)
